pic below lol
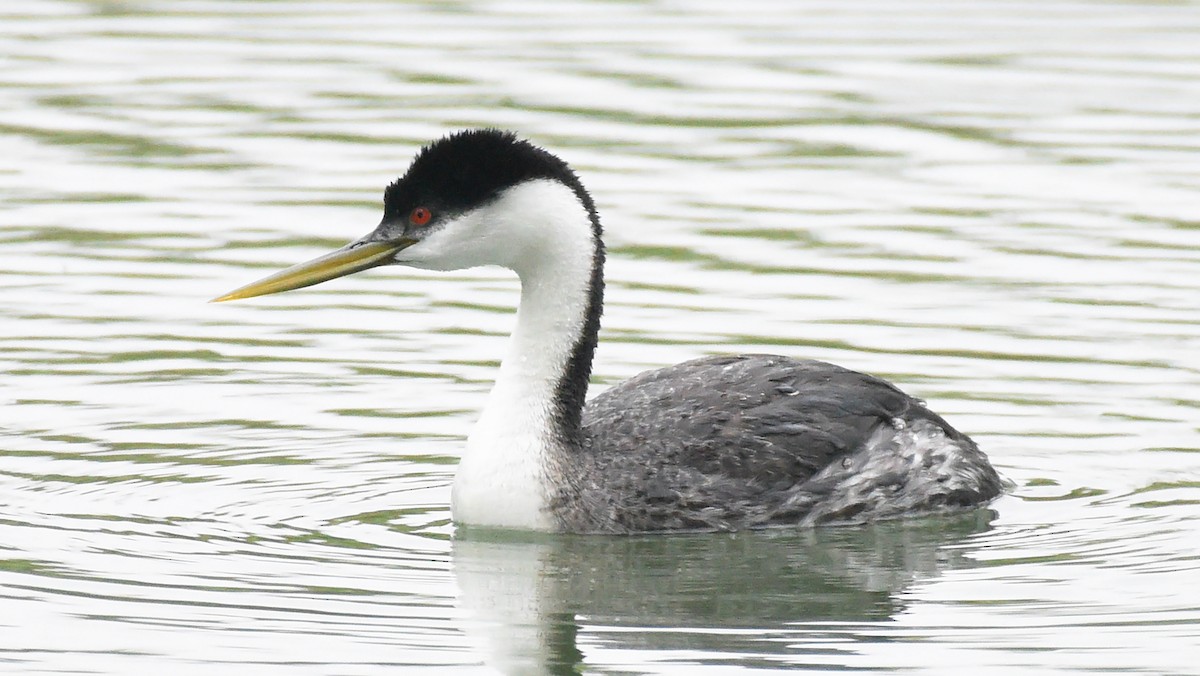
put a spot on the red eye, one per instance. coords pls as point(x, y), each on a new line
point(420, 216)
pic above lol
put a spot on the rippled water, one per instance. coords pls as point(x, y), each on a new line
point(997, 205)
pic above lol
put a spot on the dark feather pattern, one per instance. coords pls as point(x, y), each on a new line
point(751, 441)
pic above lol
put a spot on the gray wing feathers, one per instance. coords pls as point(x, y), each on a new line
point(734, 442)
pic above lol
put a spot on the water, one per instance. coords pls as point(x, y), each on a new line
point(995, 205)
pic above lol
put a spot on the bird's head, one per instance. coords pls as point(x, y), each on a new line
point(478, 197)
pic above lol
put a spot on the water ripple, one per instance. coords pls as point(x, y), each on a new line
point(993, 205)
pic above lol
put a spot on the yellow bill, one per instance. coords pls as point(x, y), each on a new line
point(354, 258)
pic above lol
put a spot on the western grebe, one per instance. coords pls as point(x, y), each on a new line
point(718, 443)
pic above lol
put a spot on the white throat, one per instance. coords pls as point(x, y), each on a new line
point(540, 230)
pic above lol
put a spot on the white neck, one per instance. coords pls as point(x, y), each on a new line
point(541, 231)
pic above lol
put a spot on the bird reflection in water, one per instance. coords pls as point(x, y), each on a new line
point(756, 598)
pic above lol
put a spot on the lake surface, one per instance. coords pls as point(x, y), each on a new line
point(994, 204)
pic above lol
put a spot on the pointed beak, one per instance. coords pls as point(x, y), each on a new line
point(348, 260)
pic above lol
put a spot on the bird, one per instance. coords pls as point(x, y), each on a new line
point(718, 443)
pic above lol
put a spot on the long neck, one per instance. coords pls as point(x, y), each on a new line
point(532, 416)
point(543, 378)
point(549, 356)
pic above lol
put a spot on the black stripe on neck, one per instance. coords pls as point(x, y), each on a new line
point(571, 392)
